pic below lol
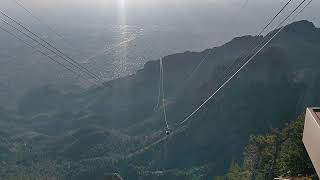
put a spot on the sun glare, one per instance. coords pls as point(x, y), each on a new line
point(121, 63)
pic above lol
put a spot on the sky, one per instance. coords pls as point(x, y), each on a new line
point(218, 20)
point(227, 17)
point(141, 30)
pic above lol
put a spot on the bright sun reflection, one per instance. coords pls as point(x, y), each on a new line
point(122, 3)
point(122, 11)
point(121, 65)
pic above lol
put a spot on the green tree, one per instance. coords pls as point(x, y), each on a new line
point(280, 153)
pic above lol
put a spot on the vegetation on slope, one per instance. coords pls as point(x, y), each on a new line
point(280, 153)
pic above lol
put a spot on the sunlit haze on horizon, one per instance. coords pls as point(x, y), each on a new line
point(119, 36)
point(241, 17)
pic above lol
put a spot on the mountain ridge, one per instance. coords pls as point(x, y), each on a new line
point(268, 93)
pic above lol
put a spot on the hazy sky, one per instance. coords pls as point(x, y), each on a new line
point(224, 19)
point(139, 29)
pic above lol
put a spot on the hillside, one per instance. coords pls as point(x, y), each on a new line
point(87, 134)
point(279, 153)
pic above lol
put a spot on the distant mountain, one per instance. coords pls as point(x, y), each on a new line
point(114, 127)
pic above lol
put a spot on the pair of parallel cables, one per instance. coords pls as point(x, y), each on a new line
point(21, 33)
point(17, 29)
point(236, 67)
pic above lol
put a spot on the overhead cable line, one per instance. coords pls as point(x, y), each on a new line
point(204, 58)
point(156, 108)
point(244, 65)
point(35, 40)
point(163, 95)
point(37, 18)
point(253, 45)
point(274, 17)
point(58, 52)
point(238, 62)
point(250, 46)
point(179, 128)
point(302, 9)
point(41, 52)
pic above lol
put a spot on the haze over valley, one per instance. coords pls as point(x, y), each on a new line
point(156, 90)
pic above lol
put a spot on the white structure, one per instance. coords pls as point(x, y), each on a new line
point(311, 136)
